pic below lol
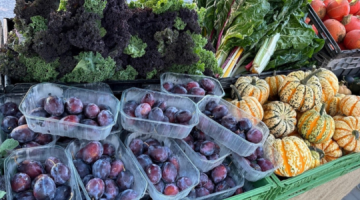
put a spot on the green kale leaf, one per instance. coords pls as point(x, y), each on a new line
point(2, 194)
point(62, 5)
point(127, 74)
point(38, 23)
point(38, 69)
point(136, 47)
point(91, 68)
point(95, 6)
point(179, 24)
point(167, 36)
point(161, 6)
point(151, 74)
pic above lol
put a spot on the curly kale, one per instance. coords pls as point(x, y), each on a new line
point(136, 47)
point(179, 24)
point(25, 9)
point(38, 23)
point(162, 6)
point(165, 37)
point(190, 17)
point(91, 68)
point(95, 6)
point(126, 74)
point(38, 69)
point(11, 66)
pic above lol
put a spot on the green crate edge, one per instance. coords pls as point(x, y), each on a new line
point(259, 193)
point(286, 189)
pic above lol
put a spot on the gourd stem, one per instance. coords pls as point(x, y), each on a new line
point(253, 82)
point(356, 133)
point(308, 77)
point(321, 152)
point(322, 109)
point(236, 92)
point(274, 74)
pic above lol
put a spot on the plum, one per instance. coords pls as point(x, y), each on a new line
point(23, 134)
point(149, 99)
point(183, 116)
point(169, 172)
point(142, 111)
point(265, 164)
point(244, 125)
point(50, 162)
point(127, 195)
point(22, 120)
point(220, 111)
point(207, 84)
point(168, 86)
point(60, 173)
point(95, 188)
point(136, 146)
point(82, 168)
point(63, 192)
point(109, 149)
point(101, 168)
point(20, 182)
point(105, 117)
point(207, 148)
point(211, 105)
point(219, 173)
point(183, 183)
point(153, 172)
point(39, 112)
point(9, 109)
point(197, 91)
point(170, 112)
point(44, 188)
point(200, 192)
point(92, 152)
point(91, 111)
point(171, 189)
point(31, 167)
point(125, 180)
point(43, 138)
point(9, 123)
point(254, 135)
point(156, 114)
point(111, 190)
point(54, 106)
point(74, 106)
point(178, 89)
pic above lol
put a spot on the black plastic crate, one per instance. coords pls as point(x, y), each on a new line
point(331, 56)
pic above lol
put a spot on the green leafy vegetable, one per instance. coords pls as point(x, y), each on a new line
point(127, 74)
point(2, 194)
point(95, 6)
point(39, 69)
point(161, 6)
point(62, 5)
point(151, 74)
point(91, 68)
point(179, 24)
point(5, 147)
point(38, 23)
point(136, 47)
point(166, 36)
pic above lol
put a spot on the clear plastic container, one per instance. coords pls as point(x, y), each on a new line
point(176, 78)
point(187, 168)
point(39, 154)
point(68, 129)
point(225, 136)
point(15, 98)
point(201, 164)
point(122, 153)
point(238, 179)
point(253, 175)
point(165, 129)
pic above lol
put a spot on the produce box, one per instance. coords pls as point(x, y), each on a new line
point(259, 190)
point(332, 57)
point(291, 187)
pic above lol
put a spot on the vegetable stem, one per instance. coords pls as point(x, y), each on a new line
point(263, 56)
point(230, 65)
point(239, 63)
point(248, 66)
point(223, 28)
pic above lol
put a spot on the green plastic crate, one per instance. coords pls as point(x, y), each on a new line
point(292, 187)
point(260, 190)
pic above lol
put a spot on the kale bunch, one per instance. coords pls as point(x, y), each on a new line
point(98, 40)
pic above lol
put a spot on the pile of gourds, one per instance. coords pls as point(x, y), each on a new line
point(310, 122)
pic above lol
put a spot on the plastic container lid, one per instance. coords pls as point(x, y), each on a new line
point(122, 153)
point(165, 129)
point(39, 154)
point(225, 136)
point(176, 78)
point(68, 129)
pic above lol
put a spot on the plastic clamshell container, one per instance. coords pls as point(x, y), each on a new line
point(177, 78)
point(39, 154)
point(201, 164)
point(253, 175)
point(16, 98)
point(165, 129)
point(238, 179)
point(225, 136)
point(68, 129)
point(187, 168)
point(121, 153)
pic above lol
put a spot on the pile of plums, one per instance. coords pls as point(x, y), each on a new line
point(73, 110)
point(201, 88)
point(149, 108)
point(42, 181)
point(207, 150)
point(242, 128)
point(258, 162)
point(160, 165)
point(104, 176)
point(216, 180)
point(14, 123)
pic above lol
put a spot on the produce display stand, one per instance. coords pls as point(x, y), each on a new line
point(308, 180)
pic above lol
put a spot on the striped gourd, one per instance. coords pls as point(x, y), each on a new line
point(315, 126)
point(329, 84)
point(280, 118)
point(350, 105)
point(347, 130)
point(316, 158)
point(302, 90)
point(295, 154)
point(331, 151)
point(333, 105)
point(248, 104)
point(274, 83)
point(252, 86)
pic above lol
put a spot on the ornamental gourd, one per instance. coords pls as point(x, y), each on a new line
point(315, 126)
point(316, 155)
point(274, 83)
point(332, 106)
point(252, 86)
point(343, 89)
point(350, 105)
point(280, 118)
point(331, 151)
point(329, 84)
point(347, 130)
point(248, 104)
point(295, 156)
point(302, 90)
